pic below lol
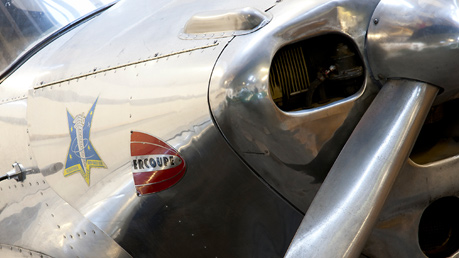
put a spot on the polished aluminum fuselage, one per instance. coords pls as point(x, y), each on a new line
point(253, 170)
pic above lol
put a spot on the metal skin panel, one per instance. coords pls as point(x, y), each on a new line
point(33, 217)
point(145, 78)
point(292, 151)
point(132, 30)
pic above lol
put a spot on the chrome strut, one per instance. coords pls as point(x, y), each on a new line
point(345, 210)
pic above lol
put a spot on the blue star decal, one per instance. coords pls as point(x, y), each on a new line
point(81, 156)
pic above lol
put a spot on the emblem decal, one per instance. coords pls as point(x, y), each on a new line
point(156, 166)
point(81, 156)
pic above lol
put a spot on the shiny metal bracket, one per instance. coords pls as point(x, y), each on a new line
point(18, 173)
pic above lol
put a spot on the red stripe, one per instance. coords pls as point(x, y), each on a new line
point(154, 188)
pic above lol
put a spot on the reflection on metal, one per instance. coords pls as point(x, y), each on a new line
point(17, 252)
point(396, 233)
point(219, 24)
point(35, 217)
point(104, 70)
point(291, 151)
point(220, 203)
point(416, 39)
point(23, 24)
point(166, 97)
point(348, 204)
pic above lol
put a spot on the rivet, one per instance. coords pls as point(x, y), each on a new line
point(71, 247)
point(71, 236)
point(15, 186)
point(41, 193)
point(84, 232)
point(58, 226)
point(376, 21)
point(46, 204)
point(65, 236)
point(38, 183)
point(93, 231)
point(78, 234)
point(52, 215)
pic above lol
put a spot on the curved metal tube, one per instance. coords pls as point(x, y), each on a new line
point(345, 209)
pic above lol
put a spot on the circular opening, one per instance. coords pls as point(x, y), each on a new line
point(439, 228)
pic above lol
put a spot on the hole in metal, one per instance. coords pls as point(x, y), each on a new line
point(439, 136)
point(315, 72)
point(439, 228)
